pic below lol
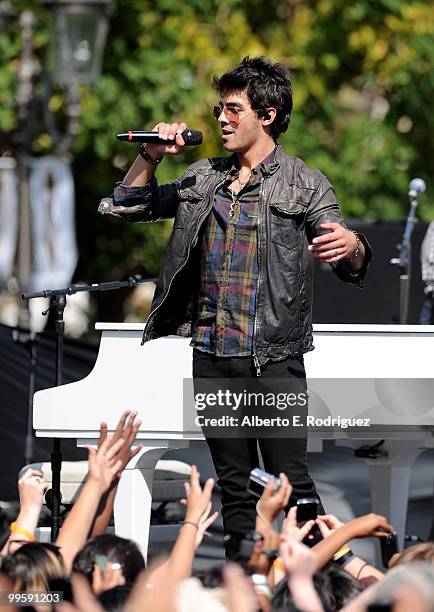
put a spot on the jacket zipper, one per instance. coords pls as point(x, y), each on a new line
point(256, 362)
point(193, 244)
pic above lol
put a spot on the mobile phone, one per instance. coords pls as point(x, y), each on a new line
point(258, 480)
point(307, 509)
point(389, 547)
point(239, 546)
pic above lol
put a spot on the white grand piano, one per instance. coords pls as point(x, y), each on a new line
point(372, 358)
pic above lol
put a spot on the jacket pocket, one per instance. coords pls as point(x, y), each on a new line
point(287, 223)
point(190, 199)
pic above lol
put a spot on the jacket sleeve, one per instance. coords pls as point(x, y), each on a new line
point(145, 204)
point(322, 208)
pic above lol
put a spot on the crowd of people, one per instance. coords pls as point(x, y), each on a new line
point(305, 567)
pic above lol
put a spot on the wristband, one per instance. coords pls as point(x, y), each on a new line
point(345, 559)
point(278, 565)
point(263, 590)
point(260, 582)
point(190, 523)
point(341, 553)
point(151, 160)
point(14, 529)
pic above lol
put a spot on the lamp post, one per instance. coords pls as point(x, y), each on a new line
point(80, 29)
point(80, 33)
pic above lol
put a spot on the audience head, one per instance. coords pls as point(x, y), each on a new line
point(118, 550)
point(32, 566)
point(416, 577)
point(335, 586)
point(419, 552)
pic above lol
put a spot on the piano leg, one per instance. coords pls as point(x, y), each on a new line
point(132, 507)
point(390, 481)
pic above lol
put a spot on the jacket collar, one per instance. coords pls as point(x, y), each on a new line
point(226, 164)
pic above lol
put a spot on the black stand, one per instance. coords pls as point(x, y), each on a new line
point(29, 340)
point(404, 260)
point(57, 305)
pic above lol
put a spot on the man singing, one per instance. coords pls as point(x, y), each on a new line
point(237, 275)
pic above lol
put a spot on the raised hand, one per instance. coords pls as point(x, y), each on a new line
point(272, 502)
point(240, 591)
point(300, 564)
point(265, 551)
point(103, 463)
point(197, 499)
point(298, 559)
point(290, 528)
point(328, 523)
point(84, 599)
point(32, 488)
point(108, 578)
point(205, 521)
point(126, 429)
point(369, 525)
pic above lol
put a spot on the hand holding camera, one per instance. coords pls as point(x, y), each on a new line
point(274, 493)
point(369, 525)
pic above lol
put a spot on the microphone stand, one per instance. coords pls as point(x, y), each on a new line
point(57, 305)
point(404, 259)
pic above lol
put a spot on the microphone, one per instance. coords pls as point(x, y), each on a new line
point(191, 137)
point(416, 187)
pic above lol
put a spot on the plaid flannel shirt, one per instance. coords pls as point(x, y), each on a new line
point(229, 270)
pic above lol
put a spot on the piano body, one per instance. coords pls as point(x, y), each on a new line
point(149, 379)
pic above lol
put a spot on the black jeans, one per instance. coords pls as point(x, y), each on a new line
point(234, 458)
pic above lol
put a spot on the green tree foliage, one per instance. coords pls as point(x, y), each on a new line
point(363, 90)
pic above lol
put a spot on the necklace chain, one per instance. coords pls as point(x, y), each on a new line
point(233, 195)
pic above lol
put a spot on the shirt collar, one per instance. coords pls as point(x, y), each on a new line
point(265, 167)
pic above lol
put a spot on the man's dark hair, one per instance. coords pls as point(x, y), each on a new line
point(266, 84)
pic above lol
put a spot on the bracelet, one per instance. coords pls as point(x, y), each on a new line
point(345, 559)
point(151, 160)
point(356, 251)
point(278, 565)
point(361, 569)
point(190, 523)
point(263, 590)
point(14, 529)
point(341, 552)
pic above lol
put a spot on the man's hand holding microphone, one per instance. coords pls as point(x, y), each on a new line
point(164, 139)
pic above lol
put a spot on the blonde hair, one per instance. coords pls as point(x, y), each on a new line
point(418, 552)
point(32, 566)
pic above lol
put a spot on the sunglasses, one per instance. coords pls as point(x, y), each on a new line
point(233, 115)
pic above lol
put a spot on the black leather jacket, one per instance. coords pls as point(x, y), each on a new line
point(294, 201)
